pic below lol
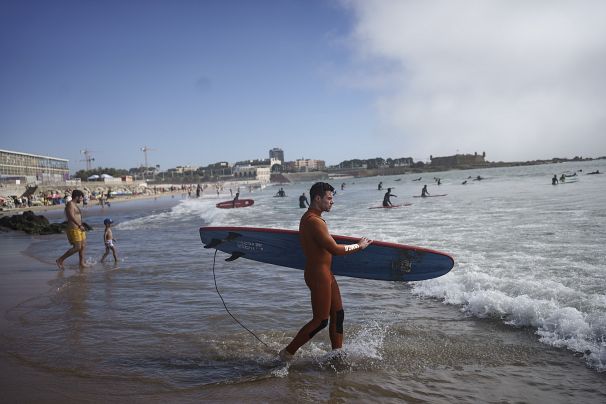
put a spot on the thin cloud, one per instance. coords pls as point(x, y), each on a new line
point(517, 79)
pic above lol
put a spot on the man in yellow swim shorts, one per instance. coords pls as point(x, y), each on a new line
point(75, 231)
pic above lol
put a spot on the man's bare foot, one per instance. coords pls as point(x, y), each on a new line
point(59, 264)
point(84, 266)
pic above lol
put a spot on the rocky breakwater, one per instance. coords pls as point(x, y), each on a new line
point(31, 223)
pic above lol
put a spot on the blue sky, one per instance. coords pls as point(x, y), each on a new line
point(206, 81)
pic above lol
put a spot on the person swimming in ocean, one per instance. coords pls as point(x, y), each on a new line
point(424, 191)
point(303, 200)
point(386, 199)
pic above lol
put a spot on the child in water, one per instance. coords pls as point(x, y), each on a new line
point(108, 239)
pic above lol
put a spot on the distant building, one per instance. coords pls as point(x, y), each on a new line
point(277, 154)
point(459, 160)
point(309, 165)
point(260, 173)
point(403, 162)
point(32, 167)
point(219, 169)
point(184, 169)
point(263, 174)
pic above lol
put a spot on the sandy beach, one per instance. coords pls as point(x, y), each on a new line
point(42, 209)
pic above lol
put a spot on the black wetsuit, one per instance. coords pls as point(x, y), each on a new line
point(386, 201)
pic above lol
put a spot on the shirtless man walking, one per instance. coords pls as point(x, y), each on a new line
point(319, 247)
point(75, 231)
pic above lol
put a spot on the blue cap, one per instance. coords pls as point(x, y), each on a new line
point(107, 221)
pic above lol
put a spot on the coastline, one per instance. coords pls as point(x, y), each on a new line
point(485, 359)
point(119, 199)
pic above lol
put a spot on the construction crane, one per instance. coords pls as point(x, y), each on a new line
point(145, 149)
point(88, 158)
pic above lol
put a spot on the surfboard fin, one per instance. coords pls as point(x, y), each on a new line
point(235, 255)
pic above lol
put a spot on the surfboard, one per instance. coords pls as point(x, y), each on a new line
point(240, 203)
point(380, 260)
point(428, 196)
point(390, 207)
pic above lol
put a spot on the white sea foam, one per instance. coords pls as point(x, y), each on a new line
point(204, 209)
point(557, 324)
point(367, 342)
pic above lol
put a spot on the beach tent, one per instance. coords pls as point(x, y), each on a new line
point(106, 176)
point(93, 177)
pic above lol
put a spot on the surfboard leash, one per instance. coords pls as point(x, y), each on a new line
point(226, 309)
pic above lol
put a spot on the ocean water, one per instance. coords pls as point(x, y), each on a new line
point(521, 317)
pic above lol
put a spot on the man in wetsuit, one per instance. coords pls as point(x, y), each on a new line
point(386, 202)
point(303, 200)
point(319, 247)
point(424, 191)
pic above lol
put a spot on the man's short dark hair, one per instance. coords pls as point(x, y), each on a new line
point(76, 193)
point(319, 189)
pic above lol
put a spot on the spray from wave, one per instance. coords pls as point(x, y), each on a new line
point(521, 303)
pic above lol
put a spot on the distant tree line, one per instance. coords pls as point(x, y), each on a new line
point(206, 174)
point(114, 172)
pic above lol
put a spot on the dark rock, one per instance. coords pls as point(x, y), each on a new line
point(35, 224)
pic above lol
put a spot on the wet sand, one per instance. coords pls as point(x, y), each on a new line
point(22, 279)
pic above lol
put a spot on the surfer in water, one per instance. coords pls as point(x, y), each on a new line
point(424, 191)
point(303, 200)
point(235, 199)
point(386, 202)
point(319, 247)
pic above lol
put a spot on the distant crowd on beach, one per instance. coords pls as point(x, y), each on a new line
point(100, 195)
